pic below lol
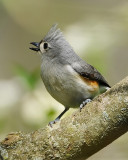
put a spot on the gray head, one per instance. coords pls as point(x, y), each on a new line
point(53, 44)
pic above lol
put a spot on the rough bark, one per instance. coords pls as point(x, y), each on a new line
point(77, 136)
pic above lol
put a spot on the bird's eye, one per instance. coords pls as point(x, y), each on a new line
point(45, 46)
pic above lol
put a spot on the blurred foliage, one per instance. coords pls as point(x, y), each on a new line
point(51, 114)
point(29, 78)
point(46, 11)
point(2, 124)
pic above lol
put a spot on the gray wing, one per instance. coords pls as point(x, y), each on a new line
point(88, 71)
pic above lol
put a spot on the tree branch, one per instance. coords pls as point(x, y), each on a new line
point(77, 136)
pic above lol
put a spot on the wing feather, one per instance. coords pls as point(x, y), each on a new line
point(87, 71)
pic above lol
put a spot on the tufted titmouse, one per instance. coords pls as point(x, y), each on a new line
point(69, 79)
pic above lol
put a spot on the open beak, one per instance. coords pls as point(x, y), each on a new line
point(36, 44)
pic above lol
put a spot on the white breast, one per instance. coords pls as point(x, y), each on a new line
point(65, 85)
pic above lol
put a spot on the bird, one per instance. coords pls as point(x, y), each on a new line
point(69, 79)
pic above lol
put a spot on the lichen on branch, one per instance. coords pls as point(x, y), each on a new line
point(77, 136)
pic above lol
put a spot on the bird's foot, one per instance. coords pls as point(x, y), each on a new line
point(53, 122)
point(58, 118)
point(84, 103)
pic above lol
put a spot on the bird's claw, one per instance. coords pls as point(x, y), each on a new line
point(53, 122)
point(84, 103)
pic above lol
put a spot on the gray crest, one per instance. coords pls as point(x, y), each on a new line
point(53, 34)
